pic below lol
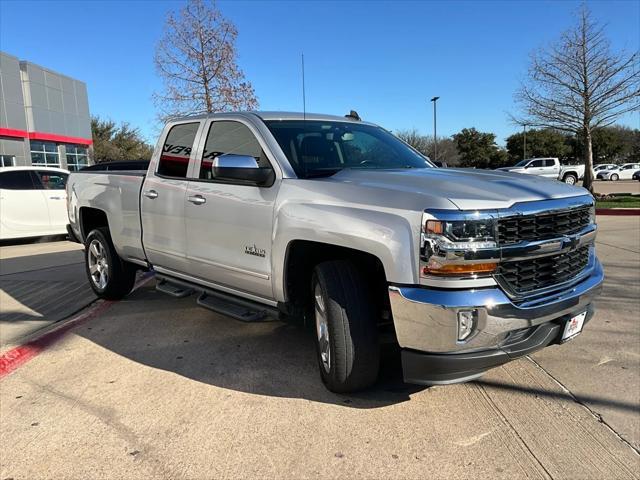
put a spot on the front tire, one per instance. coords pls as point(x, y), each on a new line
point(346, 331)
point(110, 277)
point(570, 179)
point(614, 177)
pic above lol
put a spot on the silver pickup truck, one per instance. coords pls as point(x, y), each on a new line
point(337, 222)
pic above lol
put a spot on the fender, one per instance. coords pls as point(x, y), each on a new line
point(386, 235)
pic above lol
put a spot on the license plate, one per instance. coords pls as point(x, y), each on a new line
point(573, 326)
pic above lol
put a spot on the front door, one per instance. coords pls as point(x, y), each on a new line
point(229, 225)
point(163, 199)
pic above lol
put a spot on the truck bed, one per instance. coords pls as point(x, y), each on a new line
point(117, 193)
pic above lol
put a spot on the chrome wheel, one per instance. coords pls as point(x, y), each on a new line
point(98, 264)
point(570, 180)
point(322, 329)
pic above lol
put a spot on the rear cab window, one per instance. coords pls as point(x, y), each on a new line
point(176, 151)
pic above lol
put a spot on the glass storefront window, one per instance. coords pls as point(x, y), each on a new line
point(44, 154)
point(77, 157)
point(7, 161)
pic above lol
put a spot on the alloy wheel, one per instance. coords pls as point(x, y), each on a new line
point(98, 264)
point(322, 329)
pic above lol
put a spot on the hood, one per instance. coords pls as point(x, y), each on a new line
point(468, 189)
point(511, 169)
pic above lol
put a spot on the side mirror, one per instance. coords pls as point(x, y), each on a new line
point(527, 165)
point(241, 168)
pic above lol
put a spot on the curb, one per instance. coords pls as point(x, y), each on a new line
point(18, 356)
point(618, 211)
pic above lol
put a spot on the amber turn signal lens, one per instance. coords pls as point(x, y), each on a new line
point(434, 226)
point(459, 269)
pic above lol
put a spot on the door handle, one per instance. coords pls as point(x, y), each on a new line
point(55, 198)
point(150, 194)
point(197, 199)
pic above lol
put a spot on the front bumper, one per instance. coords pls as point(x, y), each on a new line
point(426, 327)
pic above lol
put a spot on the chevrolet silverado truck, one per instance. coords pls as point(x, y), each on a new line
point(548, 167)
point(337, 222)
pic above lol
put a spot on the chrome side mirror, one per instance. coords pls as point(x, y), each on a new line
point(241, 169)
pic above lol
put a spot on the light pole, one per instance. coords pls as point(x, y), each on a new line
point(524, 148)
point(435, 138)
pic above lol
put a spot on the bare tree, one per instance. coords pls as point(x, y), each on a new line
point(196, 59)
point(578, 84)
point(447, 151)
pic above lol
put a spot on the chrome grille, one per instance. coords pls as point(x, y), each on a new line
point(527, 276)
point(542, 226)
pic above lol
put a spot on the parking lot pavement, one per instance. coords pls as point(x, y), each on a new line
point(621, 186)
point(156, 387)
point(40, 284)
point(602, 366)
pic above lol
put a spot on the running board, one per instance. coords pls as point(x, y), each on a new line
point(177, 291)
point(233, 307)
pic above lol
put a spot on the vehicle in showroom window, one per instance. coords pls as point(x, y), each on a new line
point(549, 168)
point(334, 222)
point(621, 172)
point(32, 202)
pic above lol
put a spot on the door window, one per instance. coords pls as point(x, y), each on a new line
point(18, 180)
point(226, 138)
point(550, 163)
point(52, 180)
point(174, 160)
point(537, 163)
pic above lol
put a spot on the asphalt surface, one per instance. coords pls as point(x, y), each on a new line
point(40, 284)
point(156, 387)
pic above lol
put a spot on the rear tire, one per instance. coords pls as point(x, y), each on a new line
point(110, 277)
point(346, 331)
point(570, 179)
point(614, 177)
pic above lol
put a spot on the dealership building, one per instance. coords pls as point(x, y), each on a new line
point(44, 117)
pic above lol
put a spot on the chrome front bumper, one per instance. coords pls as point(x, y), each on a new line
point(426, 319)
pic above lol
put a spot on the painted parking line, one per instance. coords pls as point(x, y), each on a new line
point(18, 356)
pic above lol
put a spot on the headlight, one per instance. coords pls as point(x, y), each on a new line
point(446, 244)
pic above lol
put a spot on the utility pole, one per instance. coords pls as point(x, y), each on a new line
point(435, 138)
point(524, 148)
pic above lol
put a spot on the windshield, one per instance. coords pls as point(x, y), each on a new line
point(318, 148)
point(522, 163)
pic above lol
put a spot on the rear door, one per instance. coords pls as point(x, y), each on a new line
point(163, 198)
point(551, 168)
point(23, 205)
point(229, 225)
point(53, 184)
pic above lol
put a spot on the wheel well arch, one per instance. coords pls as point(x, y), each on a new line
point(90, 219)
point(303, 255)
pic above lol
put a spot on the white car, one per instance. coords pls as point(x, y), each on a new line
point(33, 202)
point(603, 166)
point(623, 172)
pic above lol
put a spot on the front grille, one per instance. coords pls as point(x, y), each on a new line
point(527, 276)
point(542, 226)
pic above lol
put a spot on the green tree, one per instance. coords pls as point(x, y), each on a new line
point(479, 149)
point(117, 142)
point(540, 143)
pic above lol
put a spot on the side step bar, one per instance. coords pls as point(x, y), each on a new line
point(177, 291)
point(219, 302)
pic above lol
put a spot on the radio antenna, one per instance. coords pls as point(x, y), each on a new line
point(304, 97)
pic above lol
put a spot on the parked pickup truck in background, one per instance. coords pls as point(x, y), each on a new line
point(335, 221)
point(548, 167)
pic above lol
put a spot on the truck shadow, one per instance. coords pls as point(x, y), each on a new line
point(271, 358)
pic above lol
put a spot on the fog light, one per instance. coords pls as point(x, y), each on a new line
point(466, 320)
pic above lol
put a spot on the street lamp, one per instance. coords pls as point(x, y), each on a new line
point(435, 138)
